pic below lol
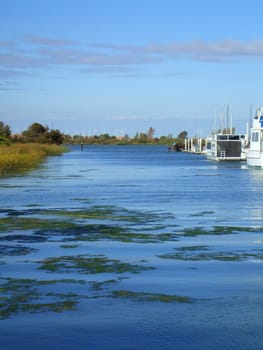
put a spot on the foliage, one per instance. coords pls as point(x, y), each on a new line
point(182, 135)
point(5, 130)
point(21, 157)
point(150, 133)
point(105, 139)
point(226, 131)
point(5, 133)
point(36, 132)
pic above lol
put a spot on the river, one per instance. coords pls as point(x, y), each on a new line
point(132, 247)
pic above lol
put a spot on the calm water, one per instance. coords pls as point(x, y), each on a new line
point(132, 247)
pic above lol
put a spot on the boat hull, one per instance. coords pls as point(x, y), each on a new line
point(255, 159)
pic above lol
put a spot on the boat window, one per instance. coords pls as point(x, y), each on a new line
point(222, 137)
point(255, 136)
point(233, 137)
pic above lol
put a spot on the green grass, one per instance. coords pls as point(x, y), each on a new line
point(23, 157)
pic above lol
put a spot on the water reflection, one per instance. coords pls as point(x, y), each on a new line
point(109, 243)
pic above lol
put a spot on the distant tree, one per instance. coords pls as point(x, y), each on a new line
point(143, 137)
point(55, 136)
point(5, 130)
point(182, 135)
point(150, 133)
point(18, 138)
point(36, 133)
point(227, 131)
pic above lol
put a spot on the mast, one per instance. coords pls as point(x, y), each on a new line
point(250, 116)
point(227, 119)
point(230, 119)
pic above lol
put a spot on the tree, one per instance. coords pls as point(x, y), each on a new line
point(226, 131)
point(5, 130)
point(36, 133)
point(150, 133)
point(182, 135)
point(55, 136)
point(143, 137)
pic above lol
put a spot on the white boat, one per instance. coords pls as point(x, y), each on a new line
point(223, 147)
point(255, 150)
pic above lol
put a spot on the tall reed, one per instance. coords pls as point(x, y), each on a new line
point(23, 157)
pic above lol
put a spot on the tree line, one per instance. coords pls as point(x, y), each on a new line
point(37, 133)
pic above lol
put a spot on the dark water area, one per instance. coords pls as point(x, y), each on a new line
point(132, 247)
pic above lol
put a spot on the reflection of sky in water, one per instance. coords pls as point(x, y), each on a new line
point(172, 192)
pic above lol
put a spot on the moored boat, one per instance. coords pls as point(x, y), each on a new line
point(222, 147)
point(255, 150)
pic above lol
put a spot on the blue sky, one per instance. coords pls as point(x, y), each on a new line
point(122, 66)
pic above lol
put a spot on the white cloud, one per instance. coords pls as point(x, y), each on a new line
point(50, 41)
point(138, 117)
point(46, 52)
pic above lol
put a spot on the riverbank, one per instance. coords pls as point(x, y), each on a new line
point(23, 157)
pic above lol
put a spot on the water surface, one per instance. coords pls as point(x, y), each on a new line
point(132, 247)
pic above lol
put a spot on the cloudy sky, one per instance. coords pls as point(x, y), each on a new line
point(122, 66)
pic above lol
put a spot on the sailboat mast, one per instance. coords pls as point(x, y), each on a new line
point(230, 119)
point(227, 119)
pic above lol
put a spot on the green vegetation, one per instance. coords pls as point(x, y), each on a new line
point(35, 296)
point(23, 157)
point(144, 296)
point(217, 230)
point(138, 139)
point(90, 265)
point(69, 246)
point(19, 153)
point(202, 253)
point(72, 226)
point(24, 295)
point(25, 151)
point(99, 285)
point(37, 133)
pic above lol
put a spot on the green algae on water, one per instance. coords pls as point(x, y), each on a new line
point(202, 253)
point(154, 297)
point(100, 285)
point(111, 213)
point(37, 224)
point(69, 246)
point(90, 265)
point(25, 295)
point(218, 230)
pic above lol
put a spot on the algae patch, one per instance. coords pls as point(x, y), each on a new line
point(153, 297)
point(90, 265)
point(15, 250)
point(25, 295)
point(217, 230)
point(202, 253)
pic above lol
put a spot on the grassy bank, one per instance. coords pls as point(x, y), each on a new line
point(24, 157)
